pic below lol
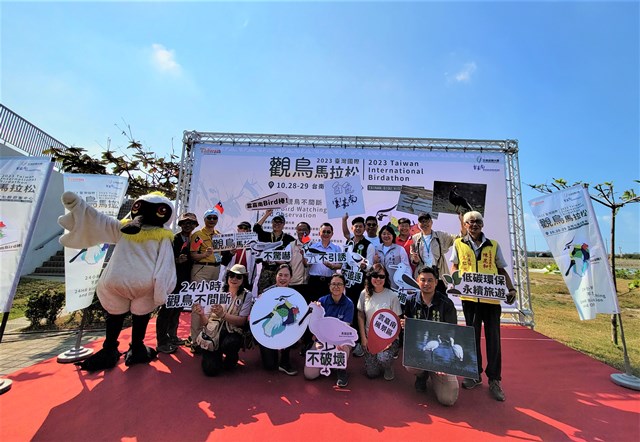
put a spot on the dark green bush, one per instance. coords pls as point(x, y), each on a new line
point(44, 305)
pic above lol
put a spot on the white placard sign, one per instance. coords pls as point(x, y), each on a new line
point(477, 285)
point(344, 195)
point(230, 241)
point(278, 200)
point(22, 187)
point(205, 293)
point(82, 267)
point(326, 358)
point(322, 257)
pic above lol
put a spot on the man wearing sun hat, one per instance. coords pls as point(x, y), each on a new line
point(206, 263)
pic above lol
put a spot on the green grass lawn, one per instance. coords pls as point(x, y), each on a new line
point(556, 316)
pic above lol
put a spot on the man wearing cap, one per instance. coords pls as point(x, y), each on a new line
point(168, 318)
point(241, 256)
point(206, 265)
point(429, 247)
point(268, 271)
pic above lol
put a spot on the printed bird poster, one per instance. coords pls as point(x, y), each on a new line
point(415, 200)
point(440, 347)
point(451, 197)
point(278, 318)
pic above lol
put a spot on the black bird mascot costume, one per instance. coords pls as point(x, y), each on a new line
point(140, 273)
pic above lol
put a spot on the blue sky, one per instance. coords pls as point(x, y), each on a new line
point(560, 77)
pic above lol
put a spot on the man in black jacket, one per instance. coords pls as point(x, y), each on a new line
point(168, 318)
point(433, 306)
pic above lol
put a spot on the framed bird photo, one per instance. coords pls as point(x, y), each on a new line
point(415, 200)
point(451, 197)
point(440, 347)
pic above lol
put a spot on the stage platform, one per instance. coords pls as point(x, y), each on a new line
point(553, 394)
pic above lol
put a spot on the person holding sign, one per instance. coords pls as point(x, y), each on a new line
point(221, 338)
point(336, 305)
point(269, 268)
point(377, 295)
point(270, 356)
point(432, 305)
point(429, 247)
point(477, 253)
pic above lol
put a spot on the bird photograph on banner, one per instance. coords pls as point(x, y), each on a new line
point(455, 197)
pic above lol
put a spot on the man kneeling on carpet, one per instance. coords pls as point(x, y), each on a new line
point(433, 306)
point(222, 337)
point(140, 273)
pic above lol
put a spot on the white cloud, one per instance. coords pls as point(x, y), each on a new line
point(164, 59)
point(464, 75)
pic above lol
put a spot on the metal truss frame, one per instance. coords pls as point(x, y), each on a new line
point(522, 315)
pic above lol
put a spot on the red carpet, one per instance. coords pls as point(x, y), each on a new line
point(553, 394)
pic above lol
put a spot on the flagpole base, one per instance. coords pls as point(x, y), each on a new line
point(5, 385)
point(74, 355)
point(626, 380)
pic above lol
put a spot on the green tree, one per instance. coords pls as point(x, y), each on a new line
point(603, 194)
point(147, 172)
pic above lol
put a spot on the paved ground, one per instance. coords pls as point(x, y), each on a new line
point(23, 349)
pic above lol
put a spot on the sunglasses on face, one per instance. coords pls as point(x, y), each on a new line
point(235, 275)
point(473, 221)
point(378, 276)
point(371, 225)
point(326, 232)
point(212, 218)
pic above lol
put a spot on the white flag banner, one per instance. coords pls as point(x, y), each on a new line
point(23, 181)
point(82, 267)
point(570, 227)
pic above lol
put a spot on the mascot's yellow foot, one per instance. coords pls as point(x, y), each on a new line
point(103, 360)
point(139, 354)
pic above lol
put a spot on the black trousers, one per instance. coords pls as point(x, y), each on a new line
point(225, 357)
point(475, 314)
point(167, 324)
point(272, 359)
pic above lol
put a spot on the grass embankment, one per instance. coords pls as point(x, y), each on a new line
point(556, 316)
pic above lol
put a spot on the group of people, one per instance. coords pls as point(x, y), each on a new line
point(219, 335)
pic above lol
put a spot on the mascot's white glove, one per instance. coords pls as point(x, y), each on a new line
point(86, 226)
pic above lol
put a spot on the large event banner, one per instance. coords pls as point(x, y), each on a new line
point(82, 267)
point(238, 174)
point(23, 182)
point(571, 229)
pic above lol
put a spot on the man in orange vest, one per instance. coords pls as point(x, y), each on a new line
point(479, 254)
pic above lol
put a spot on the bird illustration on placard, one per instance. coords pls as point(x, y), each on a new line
point(402, 277)
point(283, 314)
